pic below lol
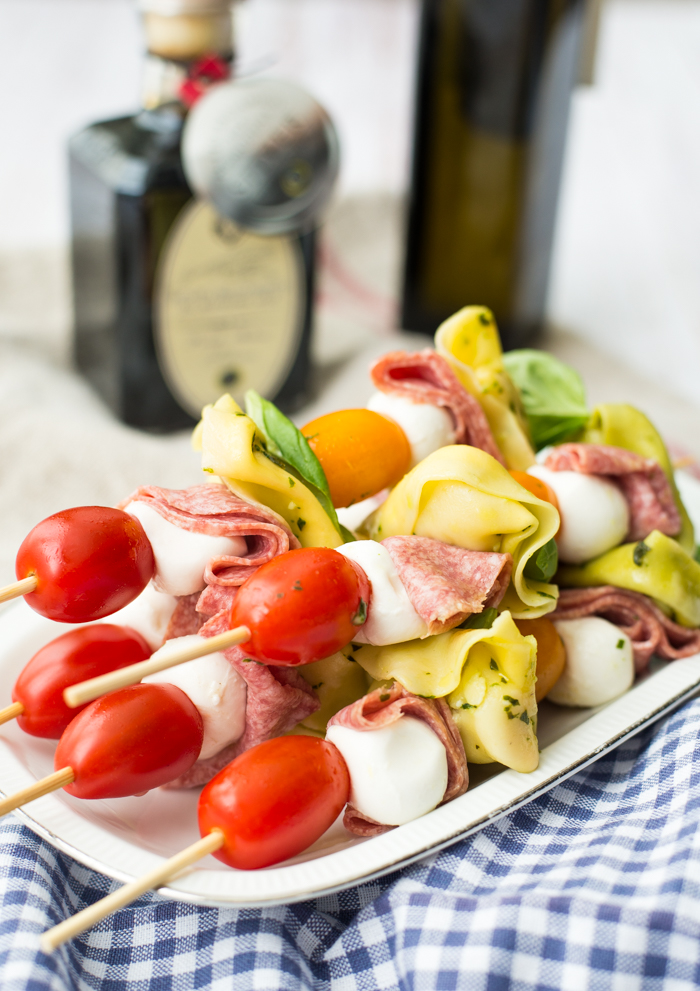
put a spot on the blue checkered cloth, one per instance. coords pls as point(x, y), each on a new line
point(594, 885)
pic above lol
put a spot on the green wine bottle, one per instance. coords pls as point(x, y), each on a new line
point(493, 92)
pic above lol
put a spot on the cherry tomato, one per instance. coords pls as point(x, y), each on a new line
point(551, 653)
point(76, 656)
point(302, 605)
point(361, 453)
point(536, 486)
point(89, 562)
point(275, 800)
point(130, 741)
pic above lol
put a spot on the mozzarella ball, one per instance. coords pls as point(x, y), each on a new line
point(149, 614)
point(594, 513)
point(181, 556)
point(354, 516)
point(214, 686)
point(426, 427)
point(397, 773)
point(599, 662)
point(391, 617)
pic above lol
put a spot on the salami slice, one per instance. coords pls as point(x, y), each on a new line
point(649, 629)
point(278, 698)
point(214, 510)
point(642, 481)
point(185, 620)
point(426, 377)
point(446, 584)
point(382, 707)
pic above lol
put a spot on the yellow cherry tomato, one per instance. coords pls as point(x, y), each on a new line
point(361, 452)
point(536, 486)
point(551, 653)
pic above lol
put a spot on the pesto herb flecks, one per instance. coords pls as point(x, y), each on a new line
point(640, 552)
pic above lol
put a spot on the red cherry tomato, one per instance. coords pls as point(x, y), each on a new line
point(71, 658)
point(89, 562)
point(274, 800)
point(302, 605)
point(130, 741)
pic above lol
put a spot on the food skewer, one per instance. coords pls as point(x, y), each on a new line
point(90, 650)
point(82, 564)
point(123, 744)
point(267, 805)
point(299, 607)
point(22, 587)
point(91, 689)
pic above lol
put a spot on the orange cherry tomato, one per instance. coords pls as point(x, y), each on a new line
point(302, 605)
point(130, 741)
point(89, 562)
point(536, 486)
point(361, 453)
point(75, 656)
point(551, 653)
point(274, 800)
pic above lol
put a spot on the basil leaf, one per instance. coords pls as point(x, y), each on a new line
point(542, 565)
point(480, 620)
point(289, 449)
point(552, 394)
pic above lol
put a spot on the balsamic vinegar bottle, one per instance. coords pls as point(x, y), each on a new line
point(493, 93)
point(174, 304)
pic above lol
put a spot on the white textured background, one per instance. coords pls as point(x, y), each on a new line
point(627, 265)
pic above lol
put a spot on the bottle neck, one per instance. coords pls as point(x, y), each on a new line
point(186, 54)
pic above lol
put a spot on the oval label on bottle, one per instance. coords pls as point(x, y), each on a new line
point(229, 309)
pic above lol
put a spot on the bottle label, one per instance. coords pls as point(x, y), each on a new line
point(229, 309)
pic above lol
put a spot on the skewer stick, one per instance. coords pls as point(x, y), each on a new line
point(93, 914)
point(86, 691)
point(23, 587)
point(11, 712)
point(52, 782)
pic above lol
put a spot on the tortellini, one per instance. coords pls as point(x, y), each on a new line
point(464, 497)
point(656, 566)
point(488, 677)
point(469, 341)
point(231, 450)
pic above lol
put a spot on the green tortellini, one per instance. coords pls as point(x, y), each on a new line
point(656, 566)
point(624, 426)
point(338, 682)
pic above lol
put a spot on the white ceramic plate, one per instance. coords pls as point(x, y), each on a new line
point(125, 837)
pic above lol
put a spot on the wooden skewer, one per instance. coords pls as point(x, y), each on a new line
point(23, 587)
point(93, 914)
point(52, 782)
point(11, 712)
point(86, 691)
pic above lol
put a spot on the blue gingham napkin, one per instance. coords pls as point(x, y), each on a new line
point(594, 885)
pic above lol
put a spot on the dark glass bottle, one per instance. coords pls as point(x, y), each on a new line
point(156, 338)
point(493, 92)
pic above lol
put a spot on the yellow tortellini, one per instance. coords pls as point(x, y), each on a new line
point(624, 426)
point(230, 449)
point(656, 566)
point(488, 677)
point(469, 341)
point(338, 682)
point(464, 497)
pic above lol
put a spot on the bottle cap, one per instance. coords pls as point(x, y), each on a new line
point(264, 152)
